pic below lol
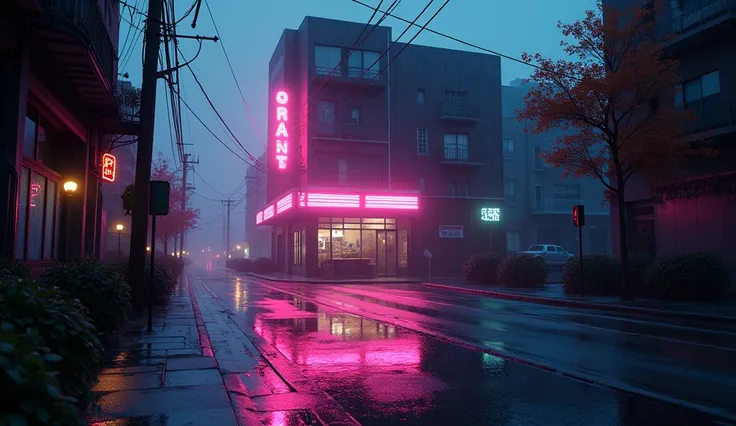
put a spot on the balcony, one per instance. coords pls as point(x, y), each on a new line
point(714, 116)
point(459, 157)
point(76, 36)
point(564, 206)
point(458, 110)
point(349, 76)
point(699, 18)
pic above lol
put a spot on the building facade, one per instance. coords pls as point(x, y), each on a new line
point(696, 214)
point(375, 167)
point(538, 198)
point(257, 238)
point(59, 71)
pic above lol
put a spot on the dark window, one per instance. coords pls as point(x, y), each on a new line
point(354, 115)
point(420, 96)
point(326, 112)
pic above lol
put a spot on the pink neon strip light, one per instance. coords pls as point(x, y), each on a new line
point(391, 202)
point(259, 217)
point(268, 212)
point(333, 200)
point(284, 204)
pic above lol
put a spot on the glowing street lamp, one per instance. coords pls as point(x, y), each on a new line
point(70, 187)
point(119, 227)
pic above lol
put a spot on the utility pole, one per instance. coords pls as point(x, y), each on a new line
point(185, 163)
point(139, 226)
point(227, 203)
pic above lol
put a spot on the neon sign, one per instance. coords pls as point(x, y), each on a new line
point(337, 200)
point(108, 167)
point(35, 190)
point(282, 134)
point(490, 214)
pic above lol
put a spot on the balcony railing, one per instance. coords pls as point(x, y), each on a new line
point(454, 108)
point(458, 155)
point(360, 72)
point(700, 13)
point(711, 114)
point(329, 71)
point(564, 206)
point(84, 18)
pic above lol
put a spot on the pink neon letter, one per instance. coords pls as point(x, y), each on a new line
point(282, 97)
point(281, 114)
point(282, 161)
point(282, 147)
point(281, 131)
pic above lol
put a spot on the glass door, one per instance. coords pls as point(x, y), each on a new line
point(391, 253)
point(381, 253)
point(386, 253)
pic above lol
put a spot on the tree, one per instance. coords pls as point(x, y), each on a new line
point(177, 220)
point(615, 99)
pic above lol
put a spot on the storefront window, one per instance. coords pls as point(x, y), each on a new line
point(346, 244)
point(37, 224)
point(297, 249)
point(29, 139)
point(403, 248)
point(323, 246)
point(36, 215)
point(20, 234)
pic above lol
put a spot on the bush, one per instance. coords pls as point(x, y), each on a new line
point(62, 326)
point(240, 265)
point(639, 265)
point(164, 280)
point(696, 277)
point(522, 271)
point(602, 275)
point(481, 268)
point(31, 391)
point(264, 265)
point(14, 267)
point(101, 290)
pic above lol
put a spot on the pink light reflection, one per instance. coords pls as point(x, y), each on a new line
point(278, 418)
point(391, 202)
point(332, 200)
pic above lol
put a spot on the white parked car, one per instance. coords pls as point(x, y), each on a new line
point(551, 254)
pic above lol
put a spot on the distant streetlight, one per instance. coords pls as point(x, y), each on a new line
point(119, 227)
point(237, 247)
point(148, 248)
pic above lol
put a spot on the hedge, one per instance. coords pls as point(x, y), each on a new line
point(522, 271)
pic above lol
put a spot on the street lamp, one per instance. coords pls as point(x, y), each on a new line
point(119, 227)
point(70, 187)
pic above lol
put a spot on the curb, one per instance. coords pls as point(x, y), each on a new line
point(308, 281)
point(204, 337)
point(591, 305)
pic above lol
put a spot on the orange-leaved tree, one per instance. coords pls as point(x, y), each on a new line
point(614, 97)
point(178, 220)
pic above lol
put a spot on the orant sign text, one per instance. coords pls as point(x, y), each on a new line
point(282, 134)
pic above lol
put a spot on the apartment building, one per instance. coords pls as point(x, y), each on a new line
point(257, 238)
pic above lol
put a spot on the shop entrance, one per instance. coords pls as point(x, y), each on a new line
point(386, 254)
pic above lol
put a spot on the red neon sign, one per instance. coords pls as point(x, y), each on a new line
point(268, 212)
point(108, 167)
point(282, 134)
point(35, 190)
point(284, 203)
point(259, 217)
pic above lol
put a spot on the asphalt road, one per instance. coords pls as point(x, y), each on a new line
point(407, 354)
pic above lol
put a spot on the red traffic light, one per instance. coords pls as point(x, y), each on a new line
point(578, 215)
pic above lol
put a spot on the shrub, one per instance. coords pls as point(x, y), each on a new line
point(601, 274)
point(31, 391)
point(697, 276)
point(100, 288)
point(639, 264)
point(240, 265)
point(164, 280)
point(523, 271)
point(16, 268)
point(63, 327)
point(481, 268)
point(264, 265)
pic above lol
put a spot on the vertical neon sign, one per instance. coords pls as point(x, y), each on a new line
point(282, 135)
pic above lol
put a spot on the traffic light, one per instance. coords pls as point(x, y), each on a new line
point(578, 215)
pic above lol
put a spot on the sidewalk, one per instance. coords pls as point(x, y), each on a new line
point(282, 277)
point(198, 368)
point(553, 294)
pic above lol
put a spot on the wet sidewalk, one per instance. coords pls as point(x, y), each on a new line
point(553, 294)
point(198, 368)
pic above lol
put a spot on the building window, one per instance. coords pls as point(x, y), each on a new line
point(422, 184)
point(326, 112)
point(459, 189)
point(354, 115)
point(342, 171)
point(363, 64)
point(567, 192)
point(297, 249)
point(37, 217)
point(456, 103)
point(509, 147)
point(456, 148)
point(698, 88)
point(513, 242)
point(539, 158)
point(509, 190)
point(422, 143)
point(327, 59)
point(420, 96)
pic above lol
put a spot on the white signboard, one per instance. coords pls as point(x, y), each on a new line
point(427, 254)
point(451, 231)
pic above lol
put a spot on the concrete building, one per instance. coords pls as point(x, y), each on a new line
point(538, 199)
point(372, 166)
point(702, 36)
point(58, 72)
point(257, 238)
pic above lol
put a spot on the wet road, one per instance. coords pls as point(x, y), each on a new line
point(371, 348)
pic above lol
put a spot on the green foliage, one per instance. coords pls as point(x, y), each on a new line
point(240, 265)
point(16, 268)
point(601, 273)
point(31, 391)
point(639, 264)
point(63, 328)
point(696, 277)
point(522, 271)
point(100, 289)
point(481, 268)
point(164, 276)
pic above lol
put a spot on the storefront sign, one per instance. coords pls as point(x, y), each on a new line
point(451, 231)
point(282, 134)
point(490, 214)
point(109, 164)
